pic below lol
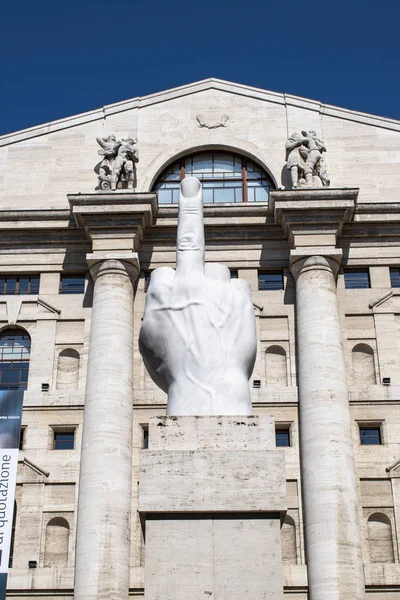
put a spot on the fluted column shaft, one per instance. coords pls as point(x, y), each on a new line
point(332, 532)
point(104, 503)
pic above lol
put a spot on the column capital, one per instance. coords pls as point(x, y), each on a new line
point(114, 221)
point(306, 263)
point(121, 263)
point(313, 216)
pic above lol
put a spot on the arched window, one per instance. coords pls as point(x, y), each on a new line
point(380, 538)
point(68, 369)
point(15, 347)
point(57, 540)
point(363, 365)
point(288, 538)
point(225, 177)
point(275, 366)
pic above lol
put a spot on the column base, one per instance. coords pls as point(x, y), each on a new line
point(212, 496)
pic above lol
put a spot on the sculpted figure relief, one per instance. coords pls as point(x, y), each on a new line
point(198, 336)
point(305, 160)
point(117, 169)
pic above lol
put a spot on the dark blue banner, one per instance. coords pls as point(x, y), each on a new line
point(10, 431)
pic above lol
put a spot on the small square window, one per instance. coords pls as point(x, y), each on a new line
point(370, 435)
point(356, 279)
point(270, 280)
point(282, 436)
point(64, 439)
point(72, 284)
point(234, 274)
point(395, 278)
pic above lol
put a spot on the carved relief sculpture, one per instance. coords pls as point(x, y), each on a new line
point(198, 336)
point(117, 168)
point(305, 160)
point(212, 125)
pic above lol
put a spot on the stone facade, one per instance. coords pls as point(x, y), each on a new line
point(328, 359)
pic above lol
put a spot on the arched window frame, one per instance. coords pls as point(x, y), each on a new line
point(387, 516)
point(289, 521)
point(245, 170)
point(366, 348)
point(62, 352)
point(268, 349)
point(60, 520)
point(9, 361)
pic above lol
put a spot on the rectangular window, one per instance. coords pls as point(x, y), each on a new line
point(234, 274)
point(147, 277)
point(270, 280)
point(370, 435)
point(19, 285)
point(64, 439)
point(356, 279)
point(22, 438)
point(145, 442)
point(395, 278)
point(282, 436)
point(72, 284)
point(14, 375)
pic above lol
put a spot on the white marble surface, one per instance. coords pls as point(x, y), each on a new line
point(105, 483)
point(332, 530)
point(212, 518)
point(198, 336)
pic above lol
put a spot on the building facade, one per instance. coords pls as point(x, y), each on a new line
point(323, 262)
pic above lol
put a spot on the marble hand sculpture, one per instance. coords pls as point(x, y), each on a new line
point(198, 336)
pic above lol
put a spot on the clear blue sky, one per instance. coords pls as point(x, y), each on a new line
point(61, 57)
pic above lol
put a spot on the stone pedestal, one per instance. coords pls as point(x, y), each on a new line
point(212, 495)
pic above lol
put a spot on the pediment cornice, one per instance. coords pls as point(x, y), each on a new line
point(194, 88)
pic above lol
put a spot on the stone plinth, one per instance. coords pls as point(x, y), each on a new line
point(212, 494)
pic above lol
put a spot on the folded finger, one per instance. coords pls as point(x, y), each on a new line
point(217, 271)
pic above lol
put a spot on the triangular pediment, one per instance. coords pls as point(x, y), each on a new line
point(196, 87)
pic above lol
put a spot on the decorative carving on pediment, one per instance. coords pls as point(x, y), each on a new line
point(212, 124)
point(305, 160)
point(117, 169)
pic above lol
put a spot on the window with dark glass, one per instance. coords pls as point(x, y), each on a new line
point(147, 277)
point(19, 284)
point(356, 279)
point(12, 542)
point(395, 278)
point(14, 360)
point(145, 442)
point(282, 436)
point(225, 177)
point(234, 274)
point(270, 280)
point(64, 440)
point(72, 284)
point(22, 438)
point(370, 435)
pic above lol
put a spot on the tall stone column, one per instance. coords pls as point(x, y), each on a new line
point(104, 502)
point(332, 533)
